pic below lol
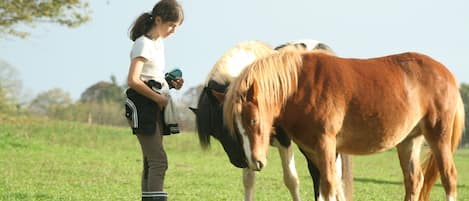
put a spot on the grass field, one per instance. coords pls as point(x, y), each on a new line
point(53, 160)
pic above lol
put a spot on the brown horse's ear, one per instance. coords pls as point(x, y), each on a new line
point(219, 96)
point(252, 92)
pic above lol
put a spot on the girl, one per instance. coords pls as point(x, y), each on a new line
point(147, 93)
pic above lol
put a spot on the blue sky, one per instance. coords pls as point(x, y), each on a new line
point(74, 59)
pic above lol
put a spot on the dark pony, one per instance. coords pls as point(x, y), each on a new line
point(209, 115)
point(328, 104)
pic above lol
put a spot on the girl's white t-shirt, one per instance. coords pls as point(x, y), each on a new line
point(153, 52)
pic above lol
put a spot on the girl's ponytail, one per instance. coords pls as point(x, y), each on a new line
point(142, 25)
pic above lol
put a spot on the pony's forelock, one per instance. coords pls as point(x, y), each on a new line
point(276, 78)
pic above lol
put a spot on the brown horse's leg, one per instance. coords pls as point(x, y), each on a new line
point(347, 176)
point(409, 158)
point(314, 173)
point(444, 160)
point(443, 139)
point(325, 159)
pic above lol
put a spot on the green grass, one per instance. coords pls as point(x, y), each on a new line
point(54, 160)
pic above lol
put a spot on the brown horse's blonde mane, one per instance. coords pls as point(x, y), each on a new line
point(275, 78)
point(235, 59)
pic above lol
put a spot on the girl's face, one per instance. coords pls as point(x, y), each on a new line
point(164, 29)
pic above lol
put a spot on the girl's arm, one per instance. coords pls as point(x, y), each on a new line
point(134, 82)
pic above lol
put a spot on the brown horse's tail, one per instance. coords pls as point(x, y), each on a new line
point(430, 167)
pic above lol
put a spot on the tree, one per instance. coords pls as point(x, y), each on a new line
point(51, 103)
point(70, 13)
point(102, 103)
point(10, 87)
point(103, 91)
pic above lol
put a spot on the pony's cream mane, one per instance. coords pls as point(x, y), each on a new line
point(275, 77)
point(228, 67)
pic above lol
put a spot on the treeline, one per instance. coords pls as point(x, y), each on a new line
point(102, 103)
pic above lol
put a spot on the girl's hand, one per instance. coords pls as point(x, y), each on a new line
point(177, 83)
point(162, 101)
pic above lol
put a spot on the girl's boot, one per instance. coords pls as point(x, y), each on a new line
point(154, 196)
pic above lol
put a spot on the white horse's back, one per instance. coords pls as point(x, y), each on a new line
point(236, 59)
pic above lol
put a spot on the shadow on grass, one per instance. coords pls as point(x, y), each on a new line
point(376, 181)
point(26, 196)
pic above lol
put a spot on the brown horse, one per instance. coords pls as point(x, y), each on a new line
point(354, 106)
point(209, 117)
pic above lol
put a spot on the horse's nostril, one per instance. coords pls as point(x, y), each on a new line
point(259, 165)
